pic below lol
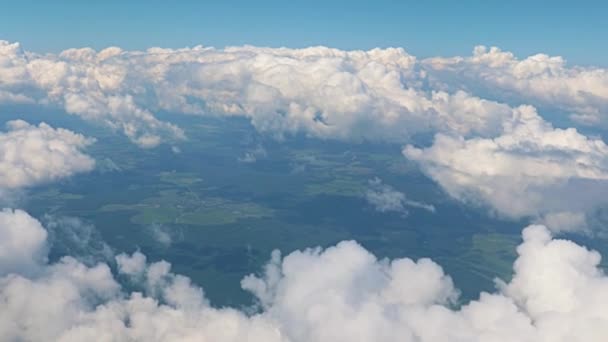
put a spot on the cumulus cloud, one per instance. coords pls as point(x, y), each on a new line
point(484, 152)
point(385, 198)
point(176, 150)
point(82, 83)
point(31, 155)
point(342, 293)
point(527, 171)
point(539, 79)
point(23, 242)
point(378, 95)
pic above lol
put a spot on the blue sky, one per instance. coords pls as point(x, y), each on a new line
point(575, 30)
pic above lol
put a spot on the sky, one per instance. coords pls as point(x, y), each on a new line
point(423, 28)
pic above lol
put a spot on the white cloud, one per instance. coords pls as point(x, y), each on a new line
point(31, 155)
point(385, 198)
point(531, 169)
point(539, 79)
point(161, 234)
point(376, 95)
point(22, 242)
point(342, 293)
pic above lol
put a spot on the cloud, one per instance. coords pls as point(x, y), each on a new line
point(527, 171)
point(485, 152)
point(31, 155)
point(80, 240)
point(83, 82)
point(342, 293)
point(23, 243)
point(385, 198)
point(252, 155)
point(539, 79)
point(161, 234)
point(376, 95)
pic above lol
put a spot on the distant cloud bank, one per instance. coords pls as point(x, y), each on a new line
point(480, 108)
point(378, 95)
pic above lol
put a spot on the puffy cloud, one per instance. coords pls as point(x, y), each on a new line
point(84, 83)
point(385, 198)
point(538, 79)
point(527, 171)
point(13, 70)
point(321, 92)
point(22, 242)
point(363, 299)
point(69, 301)
point(378, 95)
point(342, 293)
point(31, 154)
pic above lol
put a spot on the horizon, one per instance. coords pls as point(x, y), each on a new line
point(423, 29)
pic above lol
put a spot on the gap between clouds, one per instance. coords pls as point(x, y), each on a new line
point(375, 95)
point(31, 155)
point(382, 95)
point(342, 293)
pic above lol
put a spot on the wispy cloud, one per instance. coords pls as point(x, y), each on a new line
point(385, 198)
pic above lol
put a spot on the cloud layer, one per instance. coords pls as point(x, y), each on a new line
point(527, 171)
point(539, 79)
point(378, 95)
point(382, 95)
point(23, 242)
point(31, 155)
point(342, 293)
